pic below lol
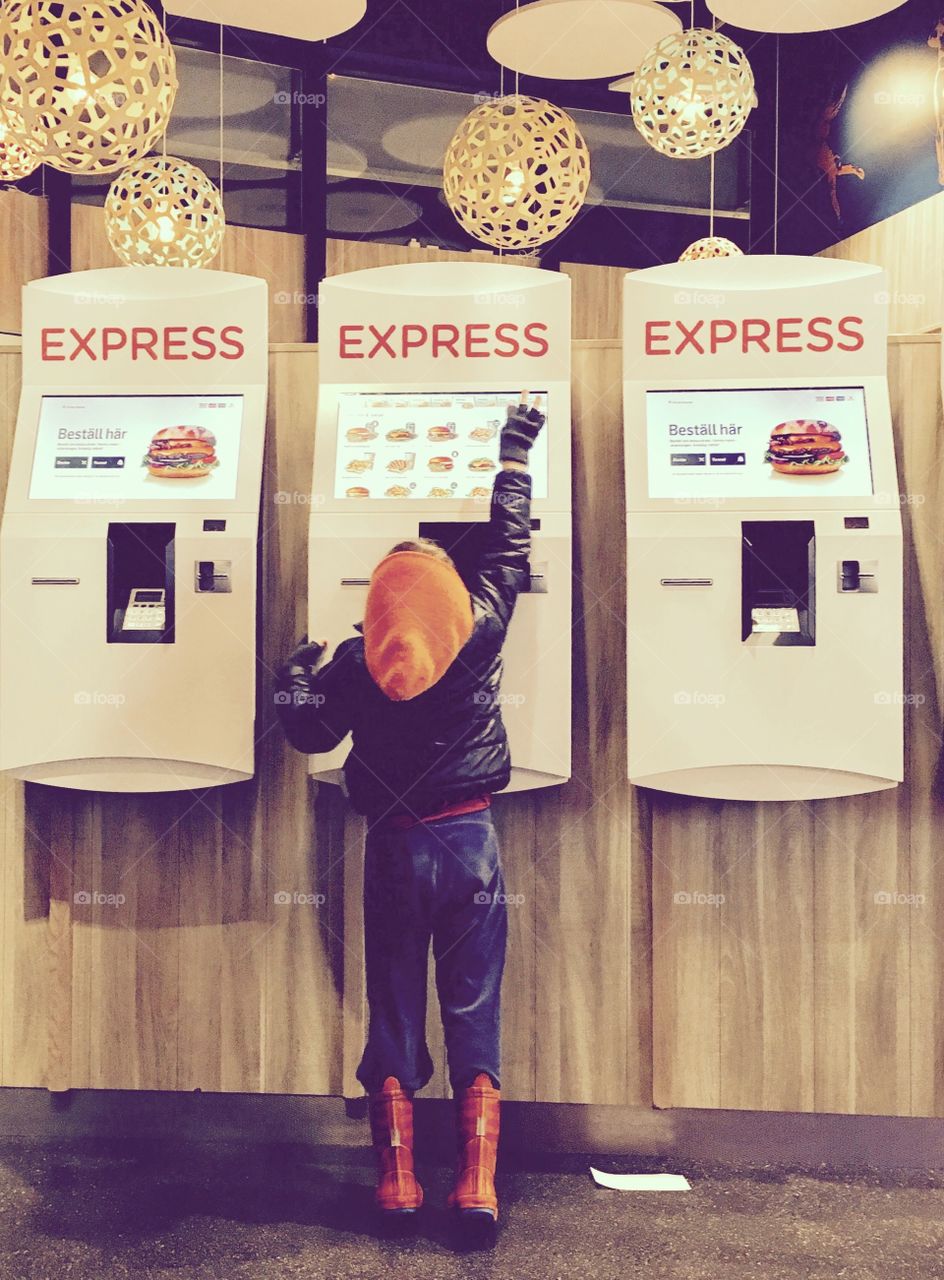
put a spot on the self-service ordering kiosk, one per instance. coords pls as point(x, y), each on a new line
point(129, 535)
point(764, 571)
point(417, 367)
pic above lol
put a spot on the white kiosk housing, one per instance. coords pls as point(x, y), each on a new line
point(129, 535)
point(764, 531)
point(417, 367)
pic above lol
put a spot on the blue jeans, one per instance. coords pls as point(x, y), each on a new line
point(439, 880)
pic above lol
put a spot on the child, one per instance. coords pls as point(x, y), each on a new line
point(418, 691)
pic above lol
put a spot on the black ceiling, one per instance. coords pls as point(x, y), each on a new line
point(442, 43)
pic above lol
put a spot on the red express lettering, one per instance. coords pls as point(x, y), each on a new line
point(141, 342)
point(473, 341)
point(443, 343)
point(786, 335)
point(477, 340)
point(851, 327)
point(175, 343)
point(534, 333)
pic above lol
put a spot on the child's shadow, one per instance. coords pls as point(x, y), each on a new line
point(129, 1197)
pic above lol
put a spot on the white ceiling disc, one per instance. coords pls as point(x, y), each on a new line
point(794, 16)
point(420, 141)
point(579, 39)
point(300, 19)
point(366, 212)
point(344, 160)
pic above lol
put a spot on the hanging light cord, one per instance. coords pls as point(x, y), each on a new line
point(221, 112)
point(711, 191)
point(777, 150)
point(517, 73)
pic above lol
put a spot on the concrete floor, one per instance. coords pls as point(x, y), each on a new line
point(98, 1210)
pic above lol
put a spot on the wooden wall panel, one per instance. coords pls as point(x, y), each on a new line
point(597, 299)
point(276, 256)
point(921, 455)
point(766, 925)
point(907, 245)
point(359, 255)
point(590, 873)
point(798, 991)
point(686, 952)
point(597, 292)
point(24, 236)
point(302, 836)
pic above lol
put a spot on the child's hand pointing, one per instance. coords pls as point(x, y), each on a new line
point(520, 431)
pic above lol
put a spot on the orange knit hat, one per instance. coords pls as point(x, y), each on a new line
point(418, 617)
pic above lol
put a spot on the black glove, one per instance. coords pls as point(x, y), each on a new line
point(519, 433)
point(292, 677)
point(305, 657)
point(301, 664)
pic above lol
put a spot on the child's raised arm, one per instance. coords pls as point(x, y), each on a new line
point(503, 562)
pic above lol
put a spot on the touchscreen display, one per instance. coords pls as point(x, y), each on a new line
point(807, 442)
point(427, 445)
point(137, 448)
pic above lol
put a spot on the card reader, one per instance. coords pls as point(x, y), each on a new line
point(145, 611)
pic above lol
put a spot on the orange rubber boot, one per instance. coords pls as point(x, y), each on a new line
point(477, 1118)
point(391, 1130)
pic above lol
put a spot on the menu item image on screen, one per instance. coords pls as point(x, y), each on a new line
point(435, 446)
point(181, 453)
point(126, 448)
point(771, 442)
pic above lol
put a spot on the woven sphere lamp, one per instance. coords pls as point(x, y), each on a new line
point(164, 212)
point(711, 247)
point(16, 160)
point(89, 84)
point(516, 172)
point(692, 93)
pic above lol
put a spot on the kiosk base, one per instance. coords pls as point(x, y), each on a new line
point(764, 782)
point(126, 774)
point(521, 779)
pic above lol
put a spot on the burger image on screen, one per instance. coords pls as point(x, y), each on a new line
point(448, 432)
point(181, 453)
point(403, 433)
point(360, 435)
point(806, 447)
point(482, 464)
point(358, 491)
point(441, 463)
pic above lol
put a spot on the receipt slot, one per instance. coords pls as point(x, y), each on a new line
point(764, 547)
point(417, 366)
point(129, 534)
point(778, 582)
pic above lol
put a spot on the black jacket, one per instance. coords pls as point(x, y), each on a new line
point(449, 743)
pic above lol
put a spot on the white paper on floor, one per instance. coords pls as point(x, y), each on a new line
point(640, 1181)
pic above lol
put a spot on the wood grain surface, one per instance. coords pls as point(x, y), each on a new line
point(213, 940)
